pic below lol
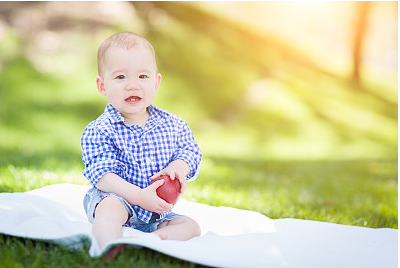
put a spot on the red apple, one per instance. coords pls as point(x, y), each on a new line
point(170, 191)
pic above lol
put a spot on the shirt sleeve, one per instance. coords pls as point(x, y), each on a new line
point(188, 151)
point(99, 155)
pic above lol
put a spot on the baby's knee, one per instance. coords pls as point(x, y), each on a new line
point(195, 227)
point(111, 209)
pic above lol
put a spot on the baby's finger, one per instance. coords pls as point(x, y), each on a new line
point(164, 206)
point(154, 177)
point(183, 184)
point(158, 174)
point(172, 175)
point(157, 184)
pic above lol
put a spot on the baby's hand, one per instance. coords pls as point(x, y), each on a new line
point(149, 200)
point(176, 169)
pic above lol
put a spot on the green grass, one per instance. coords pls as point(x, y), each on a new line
point(361, 193)
point(18, 252)
point(357, 192)
point(294, 111)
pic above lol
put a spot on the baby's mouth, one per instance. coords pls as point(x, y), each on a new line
point(133, 99)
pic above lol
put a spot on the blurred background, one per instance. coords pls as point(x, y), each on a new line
point(254, 80)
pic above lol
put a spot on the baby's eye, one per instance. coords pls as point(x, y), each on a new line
point(121, 76)
point(143, 76)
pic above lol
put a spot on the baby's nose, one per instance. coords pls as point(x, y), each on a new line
point(131, 85)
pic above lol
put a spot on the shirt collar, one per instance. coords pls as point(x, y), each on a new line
point(155, 117)
point(116, 117)
point(113, 114)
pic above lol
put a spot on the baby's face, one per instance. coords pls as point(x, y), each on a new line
point(130, 81)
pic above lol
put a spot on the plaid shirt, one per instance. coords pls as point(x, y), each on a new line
point(109, 144)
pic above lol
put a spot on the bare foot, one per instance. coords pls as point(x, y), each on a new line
point(161, 235)
point(113, 253)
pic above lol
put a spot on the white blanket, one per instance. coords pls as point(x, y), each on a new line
point(230, 237)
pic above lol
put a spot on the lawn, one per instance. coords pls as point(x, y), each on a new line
point(361, 193)
point(280, 135)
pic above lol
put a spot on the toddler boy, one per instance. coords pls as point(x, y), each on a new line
point(132, 143)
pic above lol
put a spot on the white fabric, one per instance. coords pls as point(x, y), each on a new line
point(230, 237)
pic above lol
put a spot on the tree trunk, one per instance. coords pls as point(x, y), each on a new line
point(362, 9)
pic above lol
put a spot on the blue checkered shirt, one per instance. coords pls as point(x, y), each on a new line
point(109, 144)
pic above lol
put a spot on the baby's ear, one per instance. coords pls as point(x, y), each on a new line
point(158, 81)
point(100, 86)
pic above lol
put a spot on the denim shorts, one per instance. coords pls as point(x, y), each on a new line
point(94, 196)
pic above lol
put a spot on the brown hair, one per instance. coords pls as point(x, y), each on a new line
point(126, 40)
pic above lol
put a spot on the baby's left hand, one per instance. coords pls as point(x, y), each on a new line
point(177, 169)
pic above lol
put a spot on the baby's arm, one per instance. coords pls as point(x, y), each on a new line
point(102, 166)
point(146, 198)
point(185, 160)
point(187, 151)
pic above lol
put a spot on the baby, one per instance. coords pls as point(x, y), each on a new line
point(131, 144)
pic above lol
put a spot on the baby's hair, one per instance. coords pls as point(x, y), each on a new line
point(126, 40)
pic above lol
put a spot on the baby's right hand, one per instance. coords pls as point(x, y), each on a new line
point(149, 200)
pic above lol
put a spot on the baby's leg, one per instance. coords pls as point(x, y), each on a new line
point(182, 228)
point(110, 215)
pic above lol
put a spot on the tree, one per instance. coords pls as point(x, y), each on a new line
point(360, 27)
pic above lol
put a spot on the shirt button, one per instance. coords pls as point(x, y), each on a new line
point(148, 160)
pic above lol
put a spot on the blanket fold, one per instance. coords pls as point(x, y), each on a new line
point(230, 237)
